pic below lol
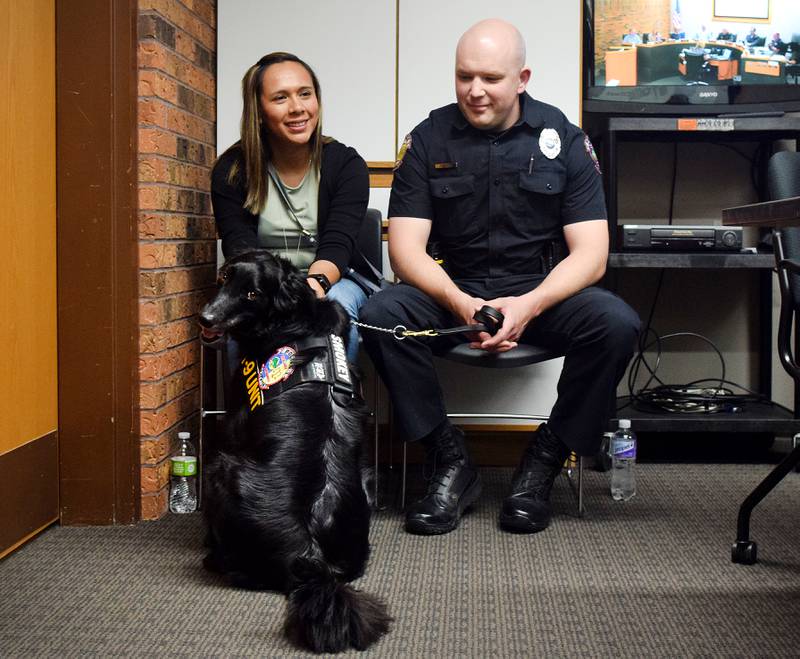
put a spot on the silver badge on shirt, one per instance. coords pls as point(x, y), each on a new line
point(549, 143)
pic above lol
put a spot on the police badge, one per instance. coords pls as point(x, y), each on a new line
point(549, 143)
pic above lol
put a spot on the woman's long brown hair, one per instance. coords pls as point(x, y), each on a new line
point(254, 144)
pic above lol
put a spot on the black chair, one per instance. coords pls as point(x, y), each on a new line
point(793, 70)
point(369, 243)
point(697, 68)
point(783, 176)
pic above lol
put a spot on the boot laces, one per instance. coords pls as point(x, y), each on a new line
point(537, 472)
point(441, 461)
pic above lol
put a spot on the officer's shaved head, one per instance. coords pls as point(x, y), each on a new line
point(490, 74)
point(498, 35)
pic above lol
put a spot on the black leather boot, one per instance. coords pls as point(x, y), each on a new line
point(527, 508)
point(453, 485)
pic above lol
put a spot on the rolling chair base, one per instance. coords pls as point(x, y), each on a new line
point(745, 551)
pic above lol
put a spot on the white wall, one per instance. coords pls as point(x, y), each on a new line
point(429, 32)
point(784, 18)
point(350, 44)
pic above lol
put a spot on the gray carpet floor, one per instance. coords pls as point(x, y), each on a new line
point(648, 578)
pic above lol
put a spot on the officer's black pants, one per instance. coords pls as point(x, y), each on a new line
point(595, 329)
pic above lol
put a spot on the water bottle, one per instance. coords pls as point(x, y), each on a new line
point(183, 480)
point(623, 460)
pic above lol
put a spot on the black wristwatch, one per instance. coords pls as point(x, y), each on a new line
point(322, 279)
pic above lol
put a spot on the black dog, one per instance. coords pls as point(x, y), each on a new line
point(284, 501)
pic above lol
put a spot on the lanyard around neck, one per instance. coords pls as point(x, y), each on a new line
point(273, 174)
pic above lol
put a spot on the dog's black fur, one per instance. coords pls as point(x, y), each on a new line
point(283, 497)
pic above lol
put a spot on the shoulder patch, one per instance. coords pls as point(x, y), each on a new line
point(405, 146)
point(587, 144)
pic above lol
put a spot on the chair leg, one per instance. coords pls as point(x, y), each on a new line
point(576, 462)
point(744, 550)
point(403, 477)
point(376, 399)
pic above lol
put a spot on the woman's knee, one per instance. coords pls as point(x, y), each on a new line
point(349, 295)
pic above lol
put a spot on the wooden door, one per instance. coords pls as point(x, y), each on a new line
point(28, 359)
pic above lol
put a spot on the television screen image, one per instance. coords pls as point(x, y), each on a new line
point(641, 54)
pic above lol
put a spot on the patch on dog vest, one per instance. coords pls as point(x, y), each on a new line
point(280, 371)
point(340, 359)
point(277, 368)
point(250, 379)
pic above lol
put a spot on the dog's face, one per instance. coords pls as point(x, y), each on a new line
point(255, 290)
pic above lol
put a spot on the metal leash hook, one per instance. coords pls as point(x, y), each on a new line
point(489, 319)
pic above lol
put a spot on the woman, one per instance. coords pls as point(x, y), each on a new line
point(286, 187)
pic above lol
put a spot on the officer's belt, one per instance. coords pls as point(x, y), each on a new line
point(553, 252)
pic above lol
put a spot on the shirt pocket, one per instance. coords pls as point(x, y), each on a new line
point(454, 205)
point(536, 208)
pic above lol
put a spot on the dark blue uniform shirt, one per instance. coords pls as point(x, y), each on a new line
point(496, 200)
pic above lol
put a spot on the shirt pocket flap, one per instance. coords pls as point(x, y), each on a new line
point(450, 187)
point(543, 182)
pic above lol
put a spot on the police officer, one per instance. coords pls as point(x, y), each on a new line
point(505, 185)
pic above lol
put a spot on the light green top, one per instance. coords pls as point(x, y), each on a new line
point(278, 231)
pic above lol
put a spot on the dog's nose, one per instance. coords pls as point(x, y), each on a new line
point(205, 320)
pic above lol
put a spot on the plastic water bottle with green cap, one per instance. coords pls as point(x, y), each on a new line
point(183, 480)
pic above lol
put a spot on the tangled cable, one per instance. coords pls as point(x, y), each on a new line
point(705, 396)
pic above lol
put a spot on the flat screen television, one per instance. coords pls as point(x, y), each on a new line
point(691, 57)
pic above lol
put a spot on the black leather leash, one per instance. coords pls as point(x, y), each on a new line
point(489, 319)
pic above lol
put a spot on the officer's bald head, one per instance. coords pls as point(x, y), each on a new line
point(496, 37)
point(490, 74)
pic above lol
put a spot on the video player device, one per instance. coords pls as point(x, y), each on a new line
point(670, 237)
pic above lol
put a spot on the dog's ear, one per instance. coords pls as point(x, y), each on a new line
point(293, 291)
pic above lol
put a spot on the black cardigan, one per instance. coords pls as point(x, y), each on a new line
point(343, 198)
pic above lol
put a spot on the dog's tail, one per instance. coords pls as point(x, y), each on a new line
point(326, 615)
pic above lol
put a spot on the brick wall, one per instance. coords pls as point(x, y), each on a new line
point(177, 249)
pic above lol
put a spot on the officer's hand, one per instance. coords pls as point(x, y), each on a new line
point(517, 314)
point(464, 308)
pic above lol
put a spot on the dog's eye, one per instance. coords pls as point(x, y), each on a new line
point(251, 295)
point(221, 278)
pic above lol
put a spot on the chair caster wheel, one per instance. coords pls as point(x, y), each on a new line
point(744, 552)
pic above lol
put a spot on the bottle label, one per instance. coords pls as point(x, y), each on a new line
point(184, 465)
point(622, 448)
